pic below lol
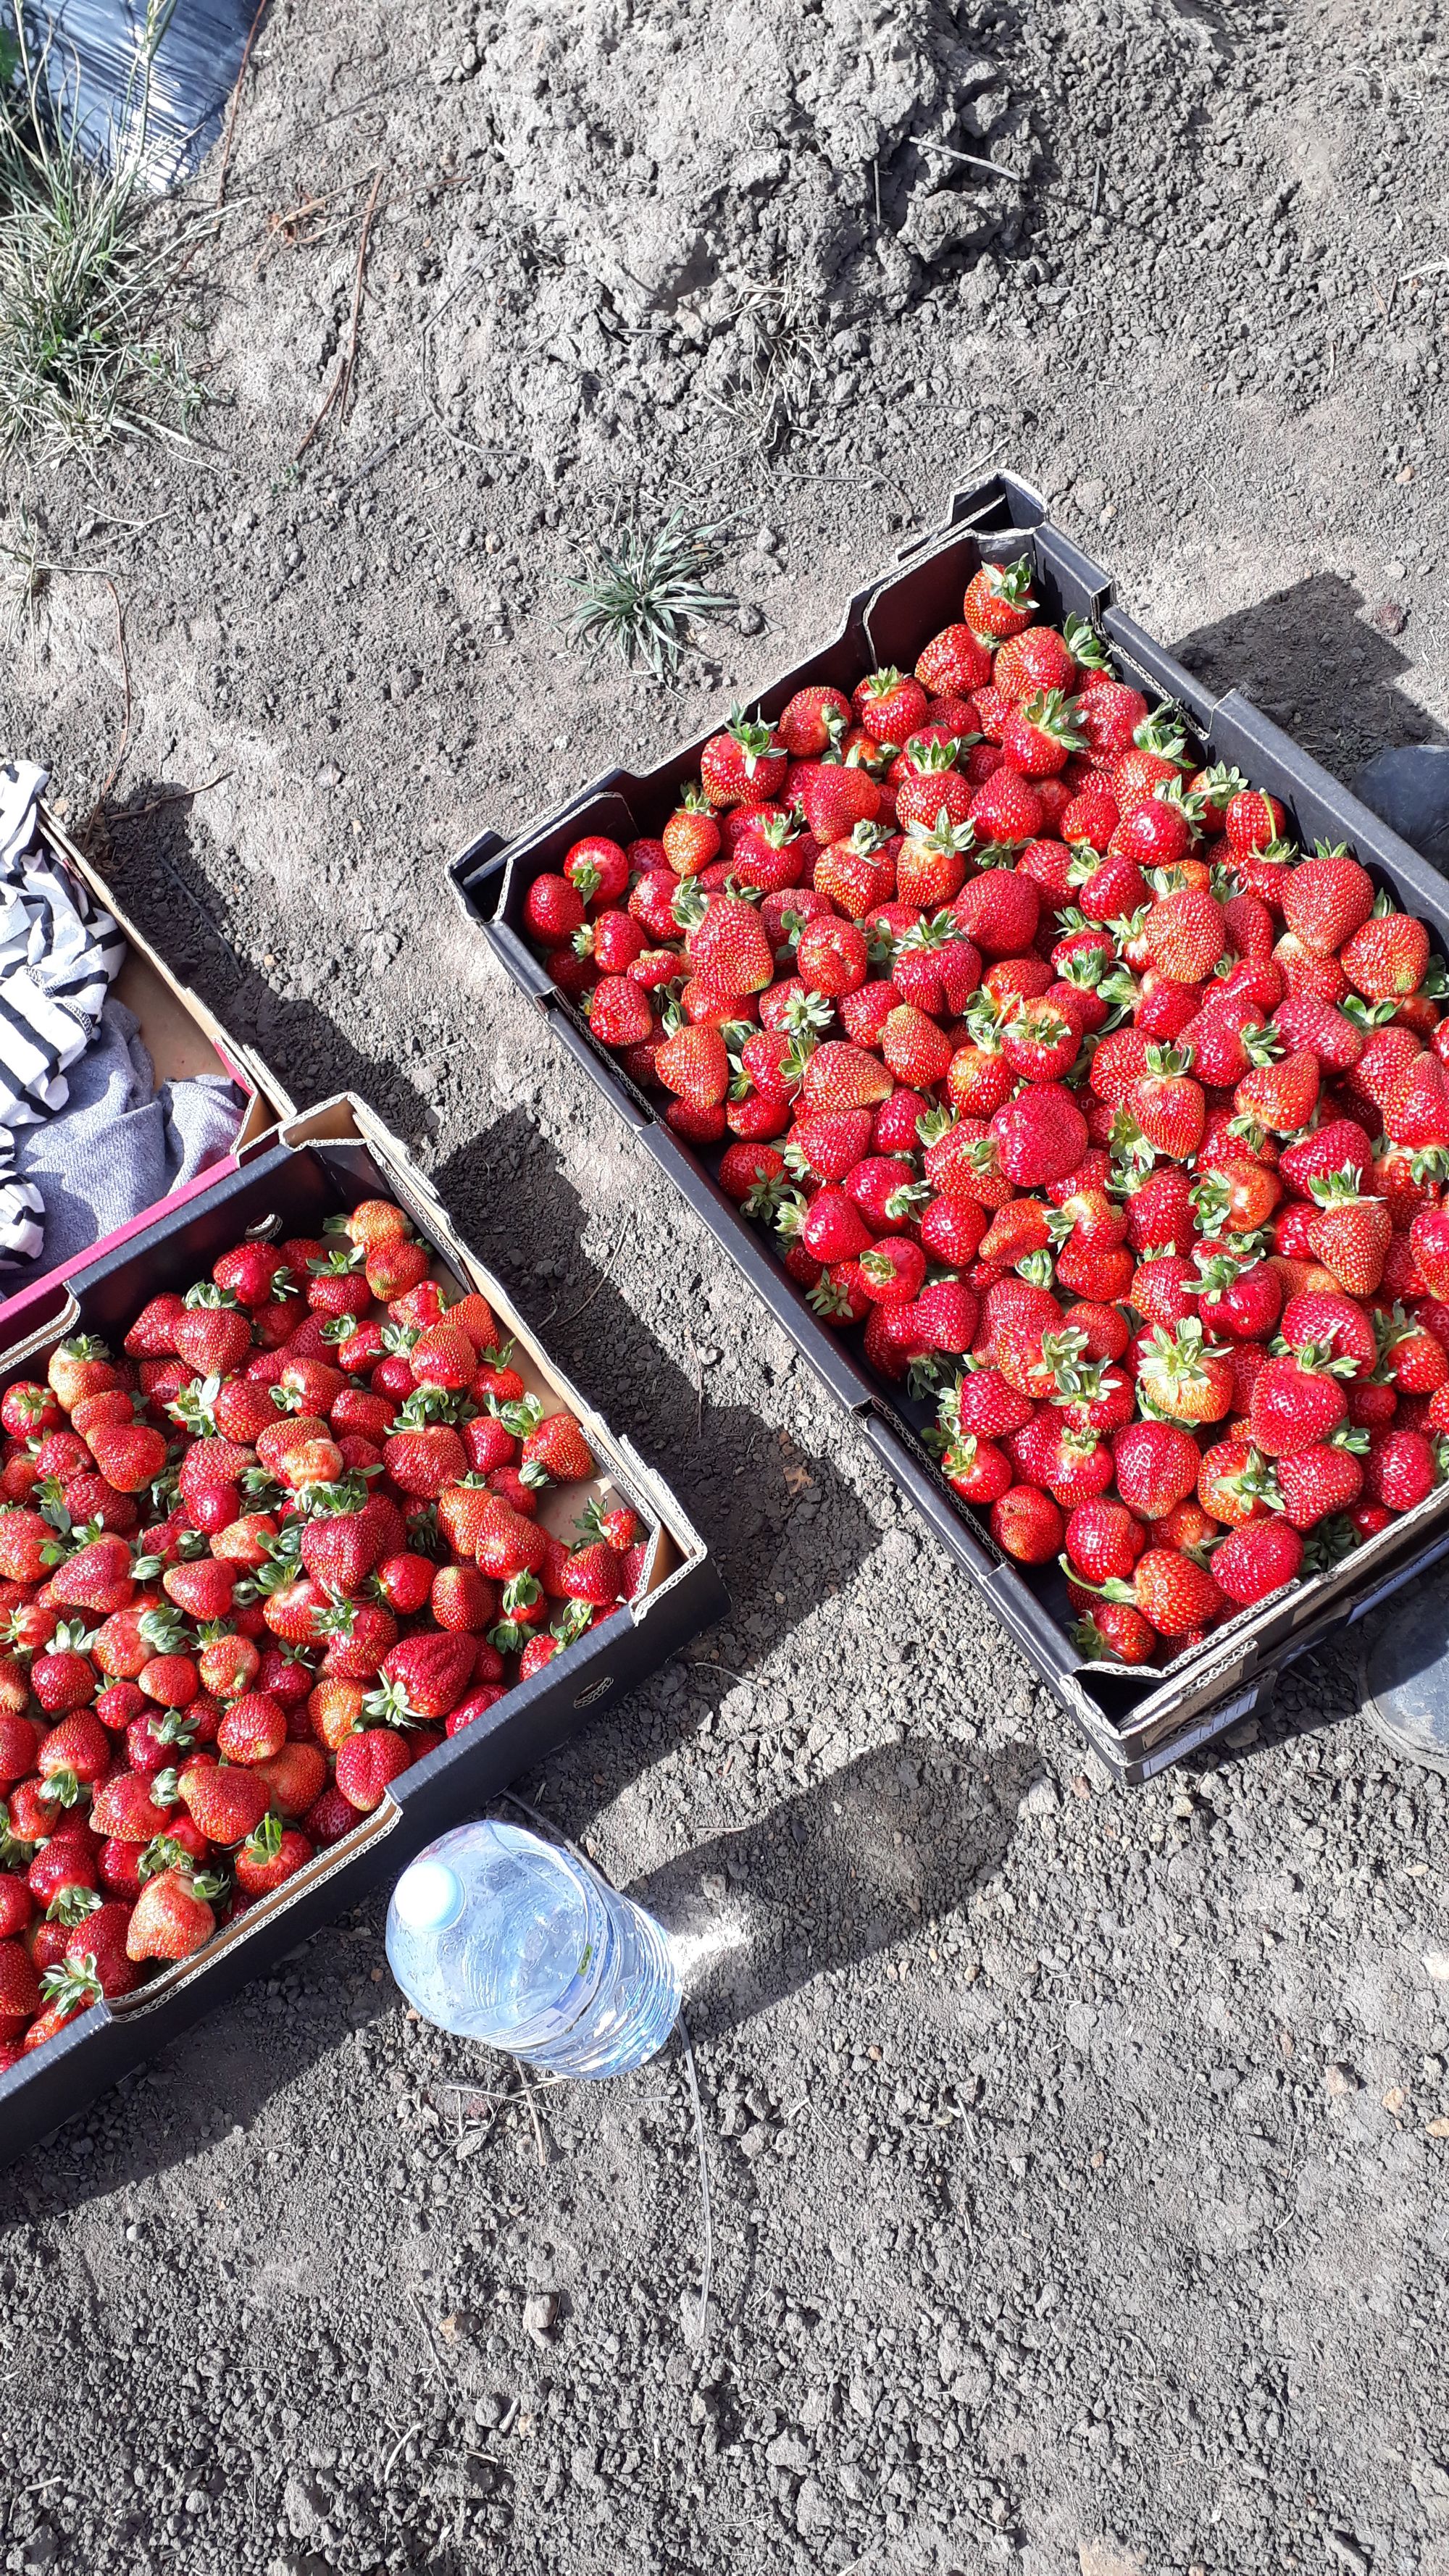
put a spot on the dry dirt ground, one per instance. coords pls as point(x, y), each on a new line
point(1077, 2203)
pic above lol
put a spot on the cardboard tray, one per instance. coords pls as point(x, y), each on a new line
point(1138, 1721)
point(183, 1037)
point(287, 1182)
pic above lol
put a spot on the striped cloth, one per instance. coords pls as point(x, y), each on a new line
point(58, 953)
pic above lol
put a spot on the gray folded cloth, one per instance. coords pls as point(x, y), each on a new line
point(119, 1143)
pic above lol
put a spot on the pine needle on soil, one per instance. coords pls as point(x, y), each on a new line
point(639, 596)
point(86, 269)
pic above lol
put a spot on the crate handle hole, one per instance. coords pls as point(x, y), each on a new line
point(595, 1691)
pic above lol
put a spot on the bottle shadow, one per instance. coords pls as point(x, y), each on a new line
point(891, 1842)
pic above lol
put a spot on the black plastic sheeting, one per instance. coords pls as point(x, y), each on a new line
point(95, 53)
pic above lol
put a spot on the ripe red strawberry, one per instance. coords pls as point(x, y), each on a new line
point(618, 1012)
point(1157, 1466)
point(294, 1778)
point(128, 1455)
point(1387, 958)
point(80, 1366)
point(557, 1445)
point(1325, 900)
point(746, 760)
point(1185, 934)
point(1416, 1111)
point(1174, 1594)
point(1350, 1234)
point(253, 1728)
point(133, 1809)
point(1296, 1403)
point(1027, 1525)
point(172, 1916)
point(1316, 1481)
point(358, 1634)
point(889, 706)
point(694, 1064)
point(553, 910)
point(367, 1764)
point(19, 1989)
point(1401, 1469)
point(1006, 811)
point(1104, 1541)
point(201, 1586)
point(270, 1856)
point(999, 600)
point(423, 1457)
point(227, 1802)
point(1281, 1096)
point(1257, 1559)
point(815, 721)
point(1040, 1136)
point(24, 1538)
point(211, 1336)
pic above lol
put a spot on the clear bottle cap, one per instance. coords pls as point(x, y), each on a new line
point(429, 1896)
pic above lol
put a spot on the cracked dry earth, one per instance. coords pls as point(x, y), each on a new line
point(1076, 2156)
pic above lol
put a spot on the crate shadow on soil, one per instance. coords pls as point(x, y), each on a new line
point(153, 852)
point(1312, 659)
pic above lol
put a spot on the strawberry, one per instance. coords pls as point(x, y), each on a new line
point(1387, 957)
point(358, 1634)
point(1281, 1096)
point(368, 1762)
point(1040, 1136)
point(746, 760)
point(462, 1599)
point(212, 1333)
point(1327, 899)
point(132, 1809)
point(172, 1916)
point(203, 1587)
point(553, 910)
point(956, 662)
point(1257, 1559)
point(1297, 1402)
point(1185, 934)
point(423, 1457)
point(19, 1989)
point(1157, 1466)
point(889, 706)
point(1183, 1376)
point(557, 1445)
point(1168, 1106)
point(694, 1064)
point(226, 1802)
point(1027, 1525)
point(253, 1728)
point(1174, 1593)
point(1429, 1238)
point(1401, 1469)
point(80, 1366)
point(999, 601)
point(1040, 734)
point(25, 1538)
point(129, 1456)
point(1006, 811)
point(1316, 1481)
point(293, 1778)
point(915, 1049)
point(1350, 1234)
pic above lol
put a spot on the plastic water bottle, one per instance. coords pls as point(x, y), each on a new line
point(507, 1939)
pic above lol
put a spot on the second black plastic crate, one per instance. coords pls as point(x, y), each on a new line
point(1138, 1722)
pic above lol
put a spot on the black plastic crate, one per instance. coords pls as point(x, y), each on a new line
point(288, 1182)
point(1138, 1722)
